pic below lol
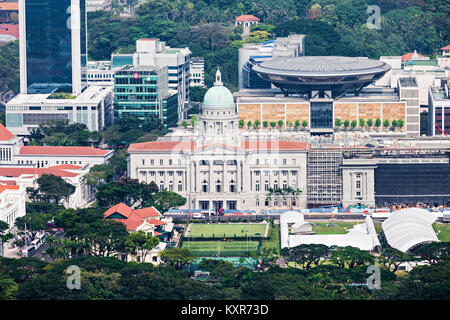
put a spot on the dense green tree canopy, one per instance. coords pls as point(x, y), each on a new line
point(51, 188)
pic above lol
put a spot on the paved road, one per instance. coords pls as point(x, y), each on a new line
point(40, 252)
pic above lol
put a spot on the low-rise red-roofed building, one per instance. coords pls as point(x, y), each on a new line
point(47, 156)
point(12, 204)
point(413, 56)
point(246, 19)
point(446, 51)
point(148, 220)
point(26, 177)
point(13, 151)
point(9, 145)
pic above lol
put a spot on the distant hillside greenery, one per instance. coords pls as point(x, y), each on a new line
point(332, 27)
point(9, 67)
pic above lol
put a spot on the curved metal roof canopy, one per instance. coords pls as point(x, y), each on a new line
point(308, 73)
point(408, 228)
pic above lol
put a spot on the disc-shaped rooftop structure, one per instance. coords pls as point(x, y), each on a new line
point(307, 74)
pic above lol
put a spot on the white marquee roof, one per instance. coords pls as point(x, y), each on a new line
point(409, 227)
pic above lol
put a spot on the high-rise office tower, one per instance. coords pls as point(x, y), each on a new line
point(53, 47)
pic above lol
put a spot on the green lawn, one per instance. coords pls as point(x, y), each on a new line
point(227, 230)
point(274, 240)
point(339, 228)
point(220, 248)
point(444, 231)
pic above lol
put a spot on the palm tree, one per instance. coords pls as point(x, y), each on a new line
point(51, 251)
point(257, 124)
point(265, 124)
point(297, 124)
point(287, 192)
point(249, 124)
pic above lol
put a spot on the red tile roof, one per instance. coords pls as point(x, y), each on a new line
point(67, 167)
point(9, 6)
point(5, 134)
point(162, 145)
point(62, 151)
point(156, 222)
point(147, 212)
point(16, 172)
point(274, 145)
point(10, 30)
point(245, 145)
point(446, 48)
point(409, 56)
point(121, 208)
point(8, 187)
point(134, 218)
point(130, 224)
point(246, 18)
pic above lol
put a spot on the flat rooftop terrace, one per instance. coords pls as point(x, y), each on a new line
point(93, 94)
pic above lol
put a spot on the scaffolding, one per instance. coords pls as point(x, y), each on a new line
point(324, 177)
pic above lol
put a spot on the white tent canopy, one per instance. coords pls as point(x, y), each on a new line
point(409, 227)
point(362, 236)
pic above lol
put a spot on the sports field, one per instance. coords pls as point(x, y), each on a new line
point(220, 248)
point(227, 230)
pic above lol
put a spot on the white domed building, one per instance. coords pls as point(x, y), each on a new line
point(214, 166)
point(219, 119)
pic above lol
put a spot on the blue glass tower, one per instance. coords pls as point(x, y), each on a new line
point(53, 48)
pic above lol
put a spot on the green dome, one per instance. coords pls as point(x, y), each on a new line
point(218, 97)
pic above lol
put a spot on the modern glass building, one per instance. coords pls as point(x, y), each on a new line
point(53, 47)
point(143, 91)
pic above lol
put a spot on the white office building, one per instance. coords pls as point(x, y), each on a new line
point(197, 76)
point(439, 111)
point(95, 5)
point(53, 74)
point(100, 73)
point(93, 107)
point(428, 73)
point(153, 52)
point(12, 203)
point(9, 145)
